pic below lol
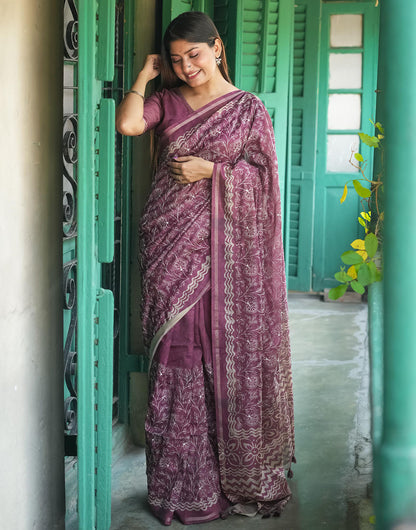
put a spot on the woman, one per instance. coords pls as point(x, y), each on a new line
point(219, 427)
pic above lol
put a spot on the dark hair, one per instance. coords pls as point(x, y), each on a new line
point(192, 26)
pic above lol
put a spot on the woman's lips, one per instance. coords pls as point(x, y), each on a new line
point(192, 76)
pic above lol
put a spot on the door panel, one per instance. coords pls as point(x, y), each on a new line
point(95, 352)
point(305, 102)
point(346, 104)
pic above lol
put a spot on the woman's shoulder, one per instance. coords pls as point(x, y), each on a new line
point(252, 101)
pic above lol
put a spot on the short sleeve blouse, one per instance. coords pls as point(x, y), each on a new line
point(165, 108)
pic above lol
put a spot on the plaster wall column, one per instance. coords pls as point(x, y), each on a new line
point(31, 364)
point(395, 485)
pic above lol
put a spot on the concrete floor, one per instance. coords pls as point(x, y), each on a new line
point(333, 450)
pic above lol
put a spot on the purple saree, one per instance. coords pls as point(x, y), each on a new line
point(219, 428)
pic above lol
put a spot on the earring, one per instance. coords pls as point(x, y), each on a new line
point(218, 60)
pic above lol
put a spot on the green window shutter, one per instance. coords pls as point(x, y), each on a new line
point(299, 50)
point(297, 130)
point(259, 46)
point(305, 75)
point(270, 45)
point(253, 15)
point(294, 230)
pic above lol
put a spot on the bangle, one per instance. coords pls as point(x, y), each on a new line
point(134, 92)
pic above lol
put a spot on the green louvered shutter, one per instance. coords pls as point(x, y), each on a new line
point(258, 36)
point(305, 48)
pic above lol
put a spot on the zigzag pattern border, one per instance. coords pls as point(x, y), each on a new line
point(177, 307)
point(163, 503)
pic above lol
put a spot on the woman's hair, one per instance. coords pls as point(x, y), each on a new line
point(192, 26)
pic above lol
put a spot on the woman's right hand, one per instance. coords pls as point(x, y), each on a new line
point(151, 68)
point(129, 114)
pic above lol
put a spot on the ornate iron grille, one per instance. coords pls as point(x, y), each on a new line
point(69, 153)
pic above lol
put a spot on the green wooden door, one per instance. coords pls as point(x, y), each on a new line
point(95, 246)
point(347, 82)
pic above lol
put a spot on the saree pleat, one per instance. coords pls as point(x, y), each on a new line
point(220, 422)
point(182, 456)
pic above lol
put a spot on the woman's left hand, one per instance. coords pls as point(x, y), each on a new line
point(187, 169)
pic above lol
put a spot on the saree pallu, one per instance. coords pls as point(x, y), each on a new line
point(219, 430)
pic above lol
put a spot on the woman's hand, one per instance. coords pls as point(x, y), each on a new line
point(188, 169)
point(151, 68)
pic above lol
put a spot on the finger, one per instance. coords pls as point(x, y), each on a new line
point(184, 158)
point(175, 168)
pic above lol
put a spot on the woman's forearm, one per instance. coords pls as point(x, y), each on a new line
point(129, 114)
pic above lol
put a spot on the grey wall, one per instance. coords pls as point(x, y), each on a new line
point(31, 372)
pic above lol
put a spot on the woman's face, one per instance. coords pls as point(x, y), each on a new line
point(194, 62)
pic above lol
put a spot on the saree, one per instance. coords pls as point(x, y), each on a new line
point(219, 428)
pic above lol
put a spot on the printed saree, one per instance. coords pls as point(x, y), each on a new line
point(219, 430)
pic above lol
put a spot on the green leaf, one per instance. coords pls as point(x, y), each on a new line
point(358, 288)
point(362, 222)
point(359, 157)
point(364, 275)
point(337, 292)
point(351, 258)
point(342, 277)
point(379, 276)
point(371, 141)
point(371, 244)
point(379, 127)
point(362, 192)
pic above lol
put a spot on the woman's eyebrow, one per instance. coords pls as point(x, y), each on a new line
point(172, 54)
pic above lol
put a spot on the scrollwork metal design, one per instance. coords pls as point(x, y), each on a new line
point(70, 30)
point(70, 158)
point(70, 356)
